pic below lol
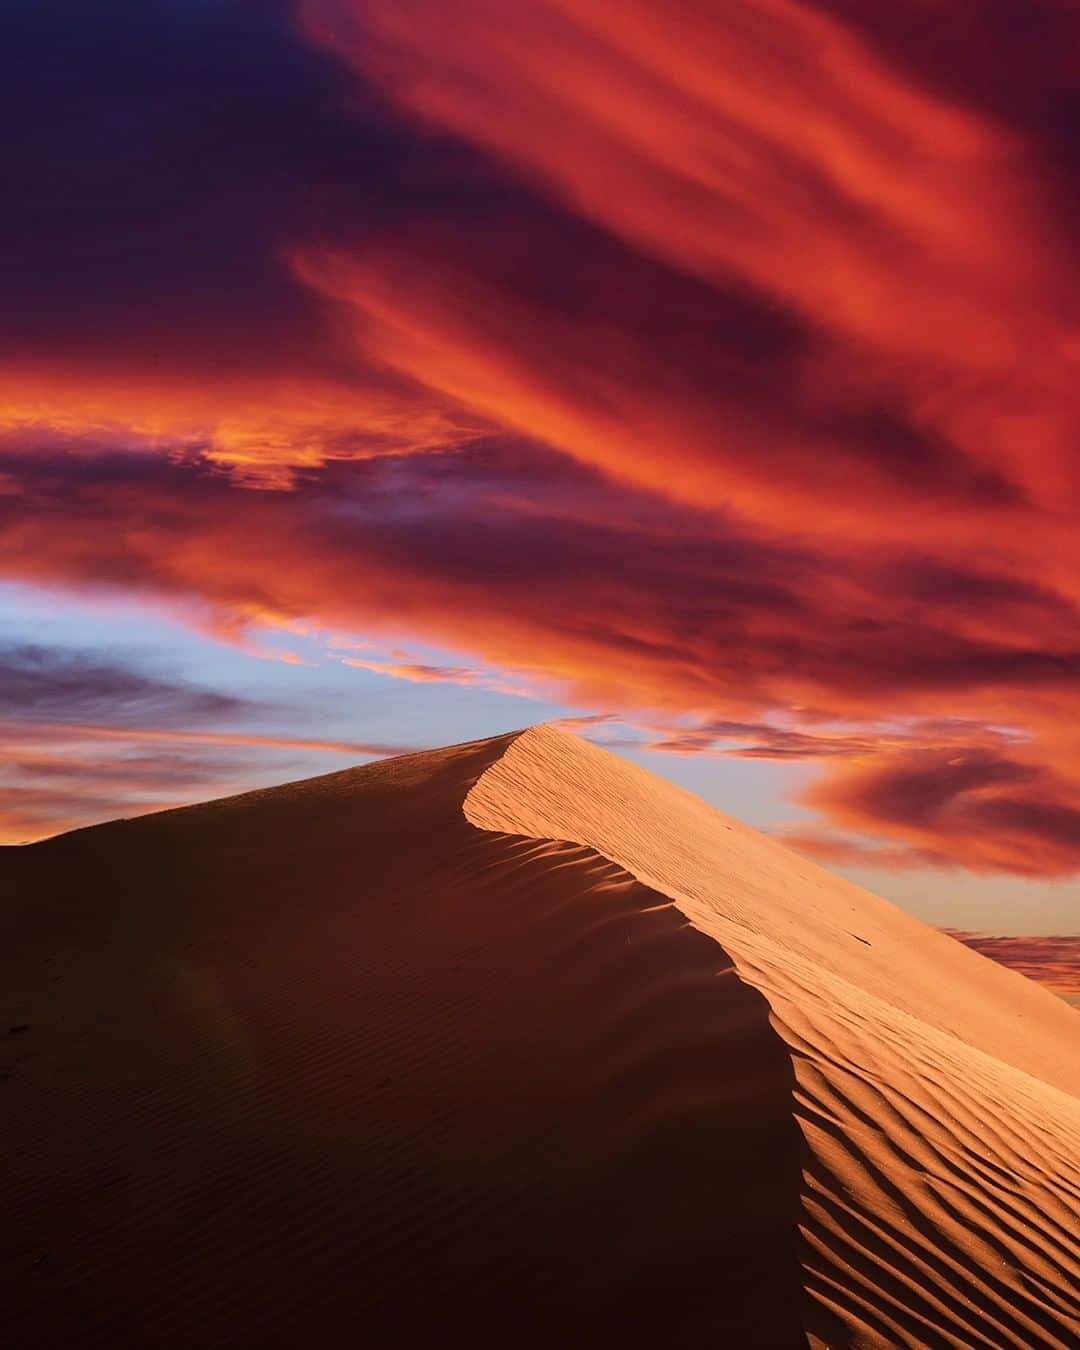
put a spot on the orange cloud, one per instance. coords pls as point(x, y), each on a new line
point(263, 432)
point(77, 743)
point(176, 736)
point(988, 809)
point(418, 672)
point(59, 776)
point(913, 242)
point(591, 611)
point(711, 366)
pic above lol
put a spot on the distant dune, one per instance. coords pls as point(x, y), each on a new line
point(513, 1044)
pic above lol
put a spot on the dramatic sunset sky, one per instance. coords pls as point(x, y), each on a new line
point(385, 373)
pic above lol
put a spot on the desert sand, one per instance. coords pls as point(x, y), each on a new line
point(513, 1044)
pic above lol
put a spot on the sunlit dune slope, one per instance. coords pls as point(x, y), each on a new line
point(937, 1092)
point(512, 1044)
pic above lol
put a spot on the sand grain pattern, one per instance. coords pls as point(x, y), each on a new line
point(514, 1043)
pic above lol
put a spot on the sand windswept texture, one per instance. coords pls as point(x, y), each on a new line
point(938, 1094)
point(513, 1044)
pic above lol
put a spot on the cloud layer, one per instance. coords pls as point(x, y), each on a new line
point(712, 367)
point(83, 737)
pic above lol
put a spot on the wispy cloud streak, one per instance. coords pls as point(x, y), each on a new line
point(708, 367)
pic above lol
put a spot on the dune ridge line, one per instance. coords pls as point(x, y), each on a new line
point(512, 1042)
point(361, 1073)
point(937, 1094)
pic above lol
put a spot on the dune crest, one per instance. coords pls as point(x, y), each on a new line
point(512, 1043)
point(938, 1094)
point(328, 1065)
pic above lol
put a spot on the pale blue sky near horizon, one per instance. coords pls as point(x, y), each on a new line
point(320, 697)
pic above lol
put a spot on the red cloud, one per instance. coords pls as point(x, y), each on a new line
point(714, 365)
point(984, 808)
point(263, 430)
point(933, 303)
point(59, 769)
point(419, 672)
point(587, 608)
point(59, 776)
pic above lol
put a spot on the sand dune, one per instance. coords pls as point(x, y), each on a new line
point(513, 1044)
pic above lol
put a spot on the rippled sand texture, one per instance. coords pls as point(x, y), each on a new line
point(512, 1044)
point(936, 1092)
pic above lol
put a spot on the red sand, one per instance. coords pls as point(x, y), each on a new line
point(514, 1044)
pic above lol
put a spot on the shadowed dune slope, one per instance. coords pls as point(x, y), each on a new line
point(330, 1065)
point(938, 1094)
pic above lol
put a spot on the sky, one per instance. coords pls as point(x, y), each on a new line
point(377, 374)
